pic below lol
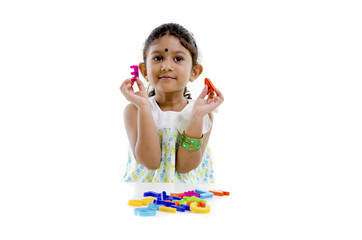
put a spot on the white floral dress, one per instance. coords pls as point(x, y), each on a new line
point(170, 125)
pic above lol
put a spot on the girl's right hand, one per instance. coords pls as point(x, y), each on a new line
point(140, 98)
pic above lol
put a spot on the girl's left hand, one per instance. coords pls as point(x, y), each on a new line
point(204, 105)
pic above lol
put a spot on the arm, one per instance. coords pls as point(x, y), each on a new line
point(187, 160)
point(140, 126)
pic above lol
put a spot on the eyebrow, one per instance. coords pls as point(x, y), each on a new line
point(177, 52)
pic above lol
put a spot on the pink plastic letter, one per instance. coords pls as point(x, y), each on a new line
point(135, 72)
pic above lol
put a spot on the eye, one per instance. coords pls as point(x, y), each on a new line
point(178, 59)
point(158, 58)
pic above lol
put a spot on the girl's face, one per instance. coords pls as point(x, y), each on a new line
point(169, 65)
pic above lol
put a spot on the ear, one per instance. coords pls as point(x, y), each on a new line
point(143, 70)
point(196, 72)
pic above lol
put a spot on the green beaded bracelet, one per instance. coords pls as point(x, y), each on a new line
point(192, 144)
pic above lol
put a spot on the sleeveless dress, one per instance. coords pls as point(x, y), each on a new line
point(169, 126)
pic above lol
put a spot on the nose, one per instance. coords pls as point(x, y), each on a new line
point(167, 65)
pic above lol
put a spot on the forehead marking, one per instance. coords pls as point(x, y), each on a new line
point(166, 49)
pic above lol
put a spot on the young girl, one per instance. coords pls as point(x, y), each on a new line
point(168, 132)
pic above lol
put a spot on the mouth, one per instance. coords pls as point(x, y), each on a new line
point(166, 78)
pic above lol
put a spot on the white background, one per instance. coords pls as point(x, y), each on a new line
point(286, 141)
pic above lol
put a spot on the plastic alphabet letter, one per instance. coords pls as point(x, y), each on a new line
point(153, 206)
point(152, 194)
point(144, 212)
point(193, 199)
point(190, 194)
point(135, 72)
point(164, 196)
point(217, 192)
point(177, 195)
point(195, 207)
point(178, 208)
point(160, 202)
point(167, 209)
point(210, 85)
point(226, 193)
point(220, 193)
point(187, 207)
point(135, 203)
point(146, 201)
point(199, 191)
point(204, 194)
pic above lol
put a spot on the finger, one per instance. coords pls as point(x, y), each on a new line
point(210, 94)
point(125, 82)
point(218, 100)
point(140, 85)
point(127, 89)
point(204, 92)
point(122, 85)
point(219, 94)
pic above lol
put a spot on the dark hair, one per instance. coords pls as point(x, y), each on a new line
point(186, 38)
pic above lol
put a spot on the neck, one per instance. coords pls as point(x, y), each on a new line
point(170, 101)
